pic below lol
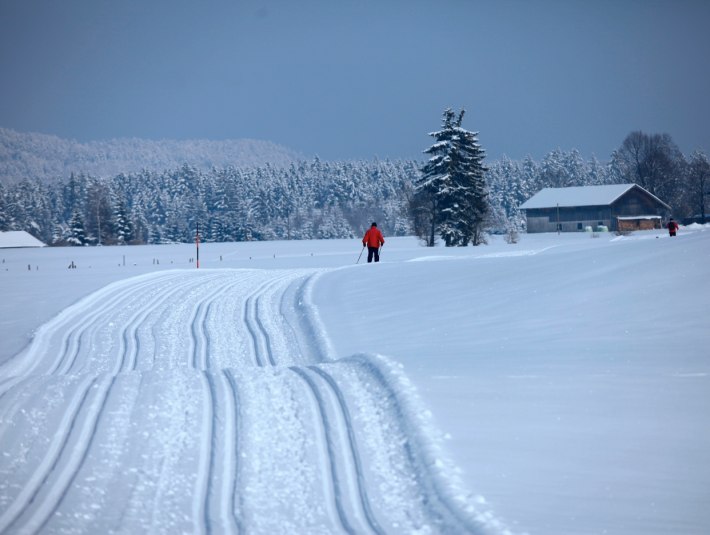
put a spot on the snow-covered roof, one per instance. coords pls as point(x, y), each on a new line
point(18, 238)
point(580, 196)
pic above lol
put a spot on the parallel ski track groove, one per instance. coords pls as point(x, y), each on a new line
point(199, 349)
point(260, 324)
point(222, 457)
point(361, 485)
point(261, 343)
point(198, 340)
point(208, 450)
point(360, 503)
point(85, 447)
point(215, 440)
point(165, 312)
point(252, 327)
point(130, 332)
point(54, 451)
point(72, 340)
point(232, 416)
point(332, 460)
point(56, 490)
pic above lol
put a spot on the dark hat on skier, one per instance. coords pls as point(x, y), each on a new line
point(374, 224)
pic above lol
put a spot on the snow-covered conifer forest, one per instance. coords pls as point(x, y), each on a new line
point(312, 199)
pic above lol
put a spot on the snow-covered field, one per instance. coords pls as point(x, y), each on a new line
point(559, 386)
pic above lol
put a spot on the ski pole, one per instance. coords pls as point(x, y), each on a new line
point(358, 258)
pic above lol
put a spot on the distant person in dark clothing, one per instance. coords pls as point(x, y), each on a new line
point(373, 240)
point(672, 227)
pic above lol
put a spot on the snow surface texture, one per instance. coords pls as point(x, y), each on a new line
point(201, 402)
point(570, 373)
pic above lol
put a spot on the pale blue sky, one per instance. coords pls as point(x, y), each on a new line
point(356, 79)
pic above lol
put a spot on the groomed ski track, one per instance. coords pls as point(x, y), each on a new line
point(210, 402)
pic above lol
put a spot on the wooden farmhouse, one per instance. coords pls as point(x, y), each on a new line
point(621, 207)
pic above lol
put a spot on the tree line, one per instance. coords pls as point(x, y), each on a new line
point(454, 195)
point(307, 200)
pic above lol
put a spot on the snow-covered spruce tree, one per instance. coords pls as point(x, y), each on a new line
point(77, 232)
point(123, 226)
point(451, 195)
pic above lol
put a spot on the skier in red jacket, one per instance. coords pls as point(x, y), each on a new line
point(373, 240)
point(672, 227)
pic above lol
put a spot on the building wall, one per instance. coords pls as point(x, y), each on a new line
point(636, 203)
point(628, 225)
point(570, 219)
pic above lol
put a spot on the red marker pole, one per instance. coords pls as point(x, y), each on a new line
point(197, 243)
